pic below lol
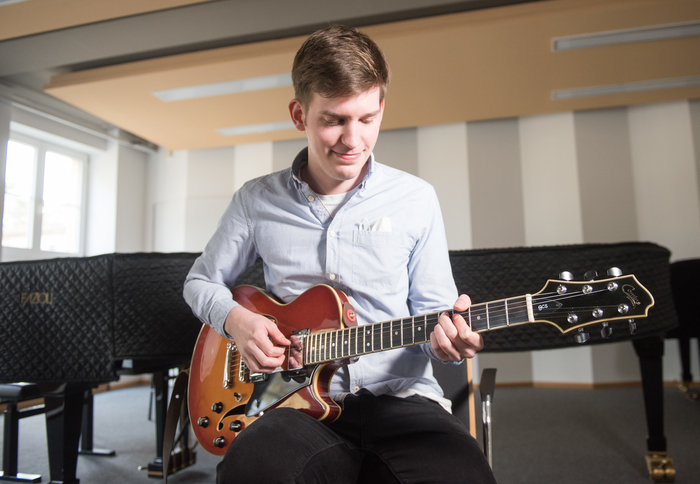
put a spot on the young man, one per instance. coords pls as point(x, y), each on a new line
point(338, 217)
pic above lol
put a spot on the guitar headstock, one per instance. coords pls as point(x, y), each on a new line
point(571, 306)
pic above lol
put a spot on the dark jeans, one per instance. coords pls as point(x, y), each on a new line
point(376, 440)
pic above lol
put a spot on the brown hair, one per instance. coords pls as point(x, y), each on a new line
point(338, 61)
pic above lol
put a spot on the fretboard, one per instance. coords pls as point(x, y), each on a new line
point(386, 335)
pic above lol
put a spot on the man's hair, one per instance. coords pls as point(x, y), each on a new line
point(338, 61)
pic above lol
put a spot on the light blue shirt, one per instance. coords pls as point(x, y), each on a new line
point(385, 248)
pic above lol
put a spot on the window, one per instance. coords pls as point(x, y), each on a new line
point(43, 206)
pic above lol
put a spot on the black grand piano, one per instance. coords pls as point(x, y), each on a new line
point(71, 324)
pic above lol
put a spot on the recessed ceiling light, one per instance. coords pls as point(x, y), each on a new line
point(7, 2)
point(654, 85)
point(255, 128)
point(221, 88)
point(641, 34)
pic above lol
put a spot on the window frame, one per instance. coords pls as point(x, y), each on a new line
point(10, 254)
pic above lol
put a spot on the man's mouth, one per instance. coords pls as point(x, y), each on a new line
point(348, 156)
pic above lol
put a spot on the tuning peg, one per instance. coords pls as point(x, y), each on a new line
point(590, 275)
point(581, 337)
point(606, 331)
point(566, 276)
point(614, 272)
point(633, 326)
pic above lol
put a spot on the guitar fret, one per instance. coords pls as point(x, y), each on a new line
point(420, 330)
point(407, 331)
point(396, 335)
point(317, 348)
point(345, 348)
point(507, 318)
point(334, 345)
point(488, 319)
point(353, 340)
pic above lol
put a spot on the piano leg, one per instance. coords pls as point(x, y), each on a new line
point(650, 352)
point(86, 446)
point(160, 382)
point(63, 417)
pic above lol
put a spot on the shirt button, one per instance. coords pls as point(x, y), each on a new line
point(355, 389)
point(332, 277)
point(310, 198)
point(332, 233)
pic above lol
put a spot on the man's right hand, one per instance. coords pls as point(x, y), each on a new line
point(257, 338)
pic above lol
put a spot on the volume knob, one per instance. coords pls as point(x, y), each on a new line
point(217, 407)
point(219, 442)
point(203, 422)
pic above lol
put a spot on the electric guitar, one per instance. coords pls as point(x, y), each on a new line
point(224, 397)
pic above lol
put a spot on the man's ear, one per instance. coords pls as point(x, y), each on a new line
point(296, 111)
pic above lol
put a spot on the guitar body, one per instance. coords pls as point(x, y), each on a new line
point(220, 392)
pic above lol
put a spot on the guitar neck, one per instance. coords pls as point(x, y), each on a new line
point(387, 335)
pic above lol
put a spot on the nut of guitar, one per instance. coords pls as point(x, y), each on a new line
point(660, 467)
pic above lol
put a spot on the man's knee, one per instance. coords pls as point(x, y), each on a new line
point(282, 446)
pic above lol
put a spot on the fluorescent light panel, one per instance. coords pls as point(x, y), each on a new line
point(221, 88)
point(255, 128)
point(654, 85)
point(655, 32)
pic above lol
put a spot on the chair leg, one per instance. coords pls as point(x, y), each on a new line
point(10, 448)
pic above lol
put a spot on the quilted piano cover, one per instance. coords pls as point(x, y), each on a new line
point(56, 318)
point(72, 319)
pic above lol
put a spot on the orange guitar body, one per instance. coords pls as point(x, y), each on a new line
point(219, 391)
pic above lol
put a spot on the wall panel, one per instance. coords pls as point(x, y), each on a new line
point(666, 177)
point(608, 211)
point(442, 162)
point(550, 180)
point(495, 184)
point(398, 148)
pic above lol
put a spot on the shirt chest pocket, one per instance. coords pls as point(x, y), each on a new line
point(379, 259)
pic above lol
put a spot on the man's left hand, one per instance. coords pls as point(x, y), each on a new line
point(453, 339)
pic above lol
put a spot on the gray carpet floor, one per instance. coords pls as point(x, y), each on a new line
point(540, 436)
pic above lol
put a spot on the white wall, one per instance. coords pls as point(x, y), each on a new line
point(443, 162)
point(665, 177)
point(5, 118)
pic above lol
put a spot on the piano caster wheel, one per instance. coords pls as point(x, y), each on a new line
point(660, 467)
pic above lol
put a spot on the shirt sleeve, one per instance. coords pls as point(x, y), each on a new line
point(229, 252)
point(431, 283)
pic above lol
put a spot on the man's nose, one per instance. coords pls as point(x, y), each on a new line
point(350, 136)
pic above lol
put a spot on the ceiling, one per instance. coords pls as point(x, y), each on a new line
point(451, 61)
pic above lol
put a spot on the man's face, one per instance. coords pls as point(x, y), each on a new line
point(341, 133)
